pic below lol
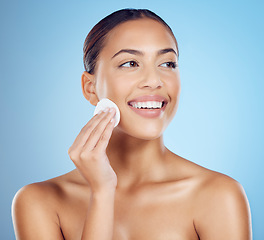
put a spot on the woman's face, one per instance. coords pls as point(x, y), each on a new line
point(136, 68)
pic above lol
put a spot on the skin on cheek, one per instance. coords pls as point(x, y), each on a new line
point(111, 83)
point(101, 90)
point(101, 86)
point(105, 89)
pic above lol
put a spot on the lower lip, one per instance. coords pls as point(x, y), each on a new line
point(149, 113)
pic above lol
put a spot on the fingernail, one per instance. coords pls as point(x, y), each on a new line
point(112, 109)
point(106, 109)
point(100, 112)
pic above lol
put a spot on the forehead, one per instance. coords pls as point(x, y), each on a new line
point(144, 34)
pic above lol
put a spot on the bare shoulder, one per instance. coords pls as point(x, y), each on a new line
point(218, 188)
point(35, 208)
point(221, 191)
point(212, 184)
point(221, 208)
point(213, 188)
point(41, 192)
point(208, 183)
point(49, 193)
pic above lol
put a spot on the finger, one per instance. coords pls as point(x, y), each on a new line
point(105, 137)
point(98, 131)
point(81, 138)
point(92, 122)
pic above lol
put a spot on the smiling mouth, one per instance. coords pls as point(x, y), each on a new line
point(148, 105)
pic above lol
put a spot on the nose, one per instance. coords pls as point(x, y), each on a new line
point(150, 79)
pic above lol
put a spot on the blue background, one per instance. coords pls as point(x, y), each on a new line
point(219, 123)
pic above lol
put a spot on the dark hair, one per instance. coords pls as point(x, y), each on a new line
point(95, 40)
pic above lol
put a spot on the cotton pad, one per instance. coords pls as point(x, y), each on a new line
point(103, 104)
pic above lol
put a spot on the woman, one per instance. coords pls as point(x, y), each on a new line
point(127, 184)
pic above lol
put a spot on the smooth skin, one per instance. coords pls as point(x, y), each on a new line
point(127, 185)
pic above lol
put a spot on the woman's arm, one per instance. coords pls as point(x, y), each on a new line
point(224, 212)
point(88, 153)
point(100, 217)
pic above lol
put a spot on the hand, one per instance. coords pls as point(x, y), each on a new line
point(88, 152)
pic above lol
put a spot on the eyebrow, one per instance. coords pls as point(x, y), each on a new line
point(137, 52)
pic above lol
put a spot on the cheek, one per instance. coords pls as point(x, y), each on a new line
point(115, 88)
point(120, 84)
point(106, 86)
point(172, 83)
point(173, 86)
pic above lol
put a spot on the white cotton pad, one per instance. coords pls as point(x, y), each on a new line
point(104, 103)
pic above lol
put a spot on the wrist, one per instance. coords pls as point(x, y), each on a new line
point(104, 193)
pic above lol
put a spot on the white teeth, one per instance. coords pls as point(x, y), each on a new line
point(149, 104)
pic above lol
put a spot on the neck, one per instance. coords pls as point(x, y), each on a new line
point(135, 161)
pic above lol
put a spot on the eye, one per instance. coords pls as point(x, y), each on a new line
point(129, 64)
point(169, 64)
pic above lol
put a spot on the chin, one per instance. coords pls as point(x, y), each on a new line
point(149, 132)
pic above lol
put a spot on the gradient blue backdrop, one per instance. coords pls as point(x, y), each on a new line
point(219, 123)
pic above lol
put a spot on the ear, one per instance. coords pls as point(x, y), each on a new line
point(88, 88)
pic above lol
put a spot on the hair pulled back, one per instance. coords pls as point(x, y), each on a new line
point(95, 40)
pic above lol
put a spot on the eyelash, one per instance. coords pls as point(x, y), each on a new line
point(122, 65)
point(172, 64)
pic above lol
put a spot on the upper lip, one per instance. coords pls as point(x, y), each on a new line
point(146, 98)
